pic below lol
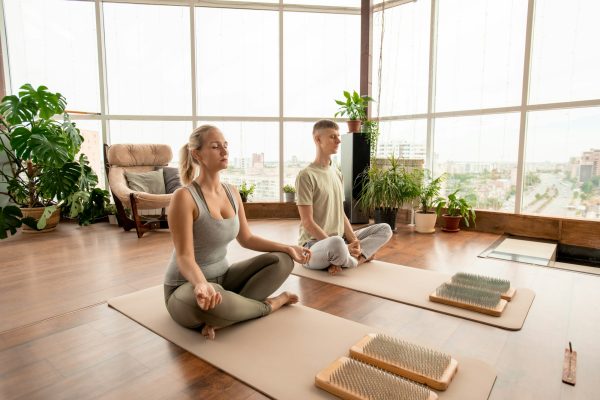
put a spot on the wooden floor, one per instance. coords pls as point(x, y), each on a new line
point(59, 340)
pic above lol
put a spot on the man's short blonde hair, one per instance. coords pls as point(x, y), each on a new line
point(325, 124)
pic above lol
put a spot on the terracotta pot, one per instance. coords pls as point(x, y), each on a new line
point(36, 213)
point(425, 223)
point(451, 223)
point(354, 125)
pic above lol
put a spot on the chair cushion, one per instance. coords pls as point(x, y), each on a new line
point(172, 181)
point(149, 182)
point(129, 155)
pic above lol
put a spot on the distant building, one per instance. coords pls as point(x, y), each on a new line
point(591, 158)
point(258, 160)
point(401, 149)
point(586, 172)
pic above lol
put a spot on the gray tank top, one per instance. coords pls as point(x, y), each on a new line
point(211, 237)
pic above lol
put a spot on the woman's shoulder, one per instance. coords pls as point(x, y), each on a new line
point(183, 196)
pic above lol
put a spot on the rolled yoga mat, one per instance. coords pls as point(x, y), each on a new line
point(279, 355)
point(413, 286)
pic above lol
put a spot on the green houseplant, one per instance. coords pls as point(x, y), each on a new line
point(385, 189)
point(45, 172)
point(354, 107)
point(370, 130)
point(246, 191)
point(289, 193)
point(429, 190)
point(12, 218)
point(457, 209)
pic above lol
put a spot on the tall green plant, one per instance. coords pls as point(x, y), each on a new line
point(45, 170)
point(388, 187)
point(429, 189)
point(353, 106)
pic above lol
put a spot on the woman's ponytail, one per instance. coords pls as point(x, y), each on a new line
point(187, 163)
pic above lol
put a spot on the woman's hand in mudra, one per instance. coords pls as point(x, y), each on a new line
point(299, 254)
point(206, 296)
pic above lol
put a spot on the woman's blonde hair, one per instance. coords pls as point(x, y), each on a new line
point(187, 163)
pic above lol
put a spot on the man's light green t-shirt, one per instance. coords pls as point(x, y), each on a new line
point(321, 188)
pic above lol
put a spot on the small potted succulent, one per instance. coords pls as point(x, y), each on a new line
point(289, 193)
point(457, 209)
point(246, 190)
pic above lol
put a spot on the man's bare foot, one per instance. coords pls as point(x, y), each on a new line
point(362, 259)
point(281, 300)
point(334, 269)
point(208, 332)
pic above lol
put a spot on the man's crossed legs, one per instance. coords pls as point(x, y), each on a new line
point(333, 253)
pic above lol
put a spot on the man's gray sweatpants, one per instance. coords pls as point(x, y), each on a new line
point(334, 249)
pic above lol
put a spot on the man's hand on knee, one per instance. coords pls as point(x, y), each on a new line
point(355, 249)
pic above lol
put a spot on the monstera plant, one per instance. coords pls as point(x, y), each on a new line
point(44, 172)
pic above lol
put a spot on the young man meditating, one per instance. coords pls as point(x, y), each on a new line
point(324, 228)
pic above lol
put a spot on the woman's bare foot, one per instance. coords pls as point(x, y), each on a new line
point(281, 300)
point(208, 332)
point(334, 269)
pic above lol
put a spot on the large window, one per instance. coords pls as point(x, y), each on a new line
point(237, 62)
point(562, 175)
point(403, 139)
point(405, 59)
point(321, 60)
point(480, 49)
point(565, 56)
point(479, 154)
point(53, 43)
point(148, 59)
point(253, 156)
point(173, 133)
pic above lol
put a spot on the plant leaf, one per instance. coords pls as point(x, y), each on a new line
point(48, 211)
point(10, 220)
point(59, 183)
point(15, 111)
point(48, 103)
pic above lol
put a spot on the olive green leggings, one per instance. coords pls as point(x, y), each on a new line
point(243, 288)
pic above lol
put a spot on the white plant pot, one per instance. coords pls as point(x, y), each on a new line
point(289, 197)
point(425, 223)
point(112, 219)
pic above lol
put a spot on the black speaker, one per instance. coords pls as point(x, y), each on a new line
point(355, 159)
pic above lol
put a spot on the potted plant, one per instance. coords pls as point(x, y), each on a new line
point(89, 207)
point(429, 190)
point(289, 193)
point(111, 213)
point(386, 189)
point(44, 171)
point(370, 130)
point(246, 191)
point(457, 208)
point(354, 106)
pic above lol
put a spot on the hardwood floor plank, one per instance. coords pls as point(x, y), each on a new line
point(93, 382)
point(22, 382)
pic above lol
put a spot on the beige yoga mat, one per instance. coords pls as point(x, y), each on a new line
point(413, 286)
point(279, 355)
